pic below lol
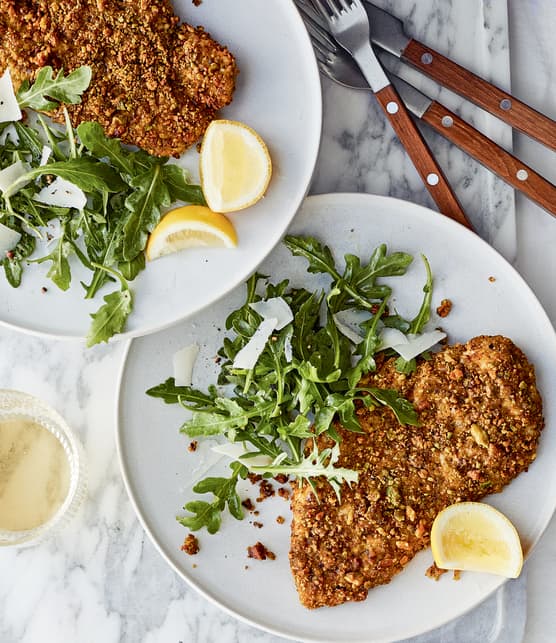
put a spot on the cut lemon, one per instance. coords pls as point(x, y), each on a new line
point(235, 166)
point(190, 226)
point(474, 536)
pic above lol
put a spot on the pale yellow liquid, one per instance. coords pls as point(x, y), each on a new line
point(34, 474)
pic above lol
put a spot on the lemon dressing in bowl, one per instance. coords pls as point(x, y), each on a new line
point(42, 479)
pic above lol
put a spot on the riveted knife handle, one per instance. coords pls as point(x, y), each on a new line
point(495, 158)
point(420, 154)
point(492, 99)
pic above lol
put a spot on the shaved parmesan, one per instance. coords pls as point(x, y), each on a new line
point(409, 346)
point(236, 450)
point(9, 132)
point(46, 152)
point(348, 323)
point(63, 194)
point(391, 337)
point(8, 239)
point(9, 178)
point(247, 357)
point(9, 108)
point(183, 362)
point(288, 348)
point(276, 308)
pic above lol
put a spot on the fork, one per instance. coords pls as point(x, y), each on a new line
point(348, 22)
point(335, 63)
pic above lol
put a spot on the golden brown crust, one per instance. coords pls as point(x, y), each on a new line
point(156, 83)
point(481, 416)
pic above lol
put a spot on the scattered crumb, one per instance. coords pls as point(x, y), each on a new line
point(457, 574)
point(445, 308)
point(192, 446)
point(282, 478)
point(257, 524)
point(254, 478)
point(266, 490)
point(280, 520)
point(248, 504)
point(435, 572)
point(492, 279)
point(197, 3)
point(194, 565)
point(44, 289)
point(246, 567)
point(284, 493)
point(259, 552)
point(256, 512)
point(217, 359)
point(190, 545)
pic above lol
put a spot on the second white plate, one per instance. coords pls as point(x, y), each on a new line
point(489, 297)
point(278, 93)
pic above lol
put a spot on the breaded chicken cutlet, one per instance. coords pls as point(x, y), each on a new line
point(481, 417)
point(156, 83)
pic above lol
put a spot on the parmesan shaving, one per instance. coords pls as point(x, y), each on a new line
point(9, 178)
point(247, 357)
point(275, 307)
point(409, 346)
point(63, 194)
point(237, 449)
point(8, 239)
point(183, 362)
point(9, 108)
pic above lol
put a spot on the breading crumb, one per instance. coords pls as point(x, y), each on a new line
point(445, 308)
point(190, 545)
point(260, 552)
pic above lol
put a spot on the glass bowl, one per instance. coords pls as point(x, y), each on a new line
point(14, 406)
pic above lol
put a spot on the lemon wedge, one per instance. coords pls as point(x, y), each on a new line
point(474, 536)
point(190, 226)
point(235, 166)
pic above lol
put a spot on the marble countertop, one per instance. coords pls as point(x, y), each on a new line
point(100, 579)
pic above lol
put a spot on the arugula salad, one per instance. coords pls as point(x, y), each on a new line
point(107, 198)
point(291, 364)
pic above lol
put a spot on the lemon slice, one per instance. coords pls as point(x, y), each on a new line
point(190, 226)
point(235, 166)
point(474, 536)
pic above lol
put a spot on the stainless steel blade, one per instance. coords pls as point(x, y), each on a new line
point(415, 101)
point(387, 31)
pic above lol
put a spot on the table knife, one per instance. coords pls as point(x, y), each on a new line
point(388, 33)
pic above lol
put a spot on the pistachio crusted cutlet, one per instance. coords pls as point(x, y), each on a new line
point(156, 83)
point(481, 417)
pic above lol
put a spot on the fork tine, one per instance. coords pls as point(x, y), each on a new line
point(327, 8)
point(317, 33)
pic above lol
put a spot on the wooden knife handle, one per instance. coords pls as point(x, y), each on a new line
point(482, 93)
point(420, 154)
point(495, 158)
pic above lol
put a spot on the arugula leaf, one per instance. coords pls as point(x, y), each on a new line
point(318, 255)
point(402, 408)
point(95, 140)
point(12, 263)
point(86, 173)
point(178, 187)
point(144, 205)
point(48, 89)
point(209, 514)
point(110, 318)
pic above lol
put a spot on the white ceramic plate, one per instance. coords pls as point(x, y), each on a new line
point(489, 297)
point(278, 94)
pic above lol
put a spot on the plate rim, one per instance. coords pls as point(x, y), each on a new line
point(317, 118)
point(331, 199)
